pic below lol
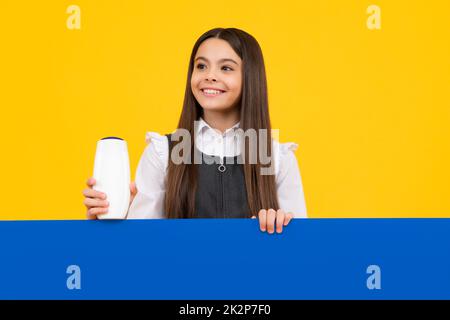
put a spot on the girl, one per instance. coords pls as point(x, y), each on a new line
point(226, 93)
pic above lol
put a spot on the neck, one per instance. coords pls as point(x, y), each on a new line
point(221, 120)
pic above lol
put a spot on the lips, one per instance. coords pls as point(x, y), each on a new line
point(212, 92)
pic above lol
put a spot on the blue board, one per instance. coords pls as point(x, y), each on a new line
point(225, 259)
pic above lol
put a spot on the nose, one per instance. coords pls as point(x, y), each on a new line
point(211, 76)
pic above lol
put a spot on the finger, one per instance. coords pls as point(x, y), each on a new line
point(90, 182)
point(133, 187)
point(262, 219)
point(289, 216)
point(88, 202)
point(91, 193)
point(97, 211)
point(280, 220)
point(271, 214)
point(91, 216)
point(253, 217)
point(133, 191)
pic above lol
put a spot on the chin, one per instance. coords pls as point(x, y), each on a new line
point(209, 105)
point(213, 107)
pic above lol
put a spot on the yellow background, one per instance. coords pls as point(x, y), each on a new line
point(370, 109)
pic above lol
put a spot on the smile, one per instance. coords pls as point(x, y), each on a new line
point(211, 92)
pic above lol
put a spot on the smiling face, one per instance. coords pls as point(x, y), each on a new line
point(216, 80)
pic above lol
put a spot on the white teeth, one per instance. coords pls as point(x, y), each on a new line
point(210, 91)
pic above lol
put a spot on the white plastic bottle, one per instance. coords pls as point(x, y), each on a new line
point(112, 175)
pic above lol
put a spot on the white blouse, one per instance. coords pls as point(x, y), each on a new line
point(151, 171)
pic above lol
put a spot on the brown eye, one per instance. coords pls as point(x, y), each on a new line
point(200, 66)
point(226, 68)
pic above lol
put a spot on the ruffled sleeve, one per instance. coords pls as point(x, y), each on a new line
point(150, 179)
point(159, 145)
point(280, 152)
point(288, 180)
point(288, 146)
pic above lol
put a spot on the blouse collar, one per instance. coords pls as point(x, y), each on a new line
point(203, 126)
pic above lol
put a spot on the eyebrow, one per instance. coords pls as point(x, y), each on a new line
point(221, 60)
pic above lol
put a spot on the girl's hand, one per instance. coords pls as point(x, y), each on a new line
point(95, 201)
point(271, 219)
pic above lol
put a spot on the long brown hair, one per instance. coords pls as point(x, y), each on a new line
point(181, 183)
